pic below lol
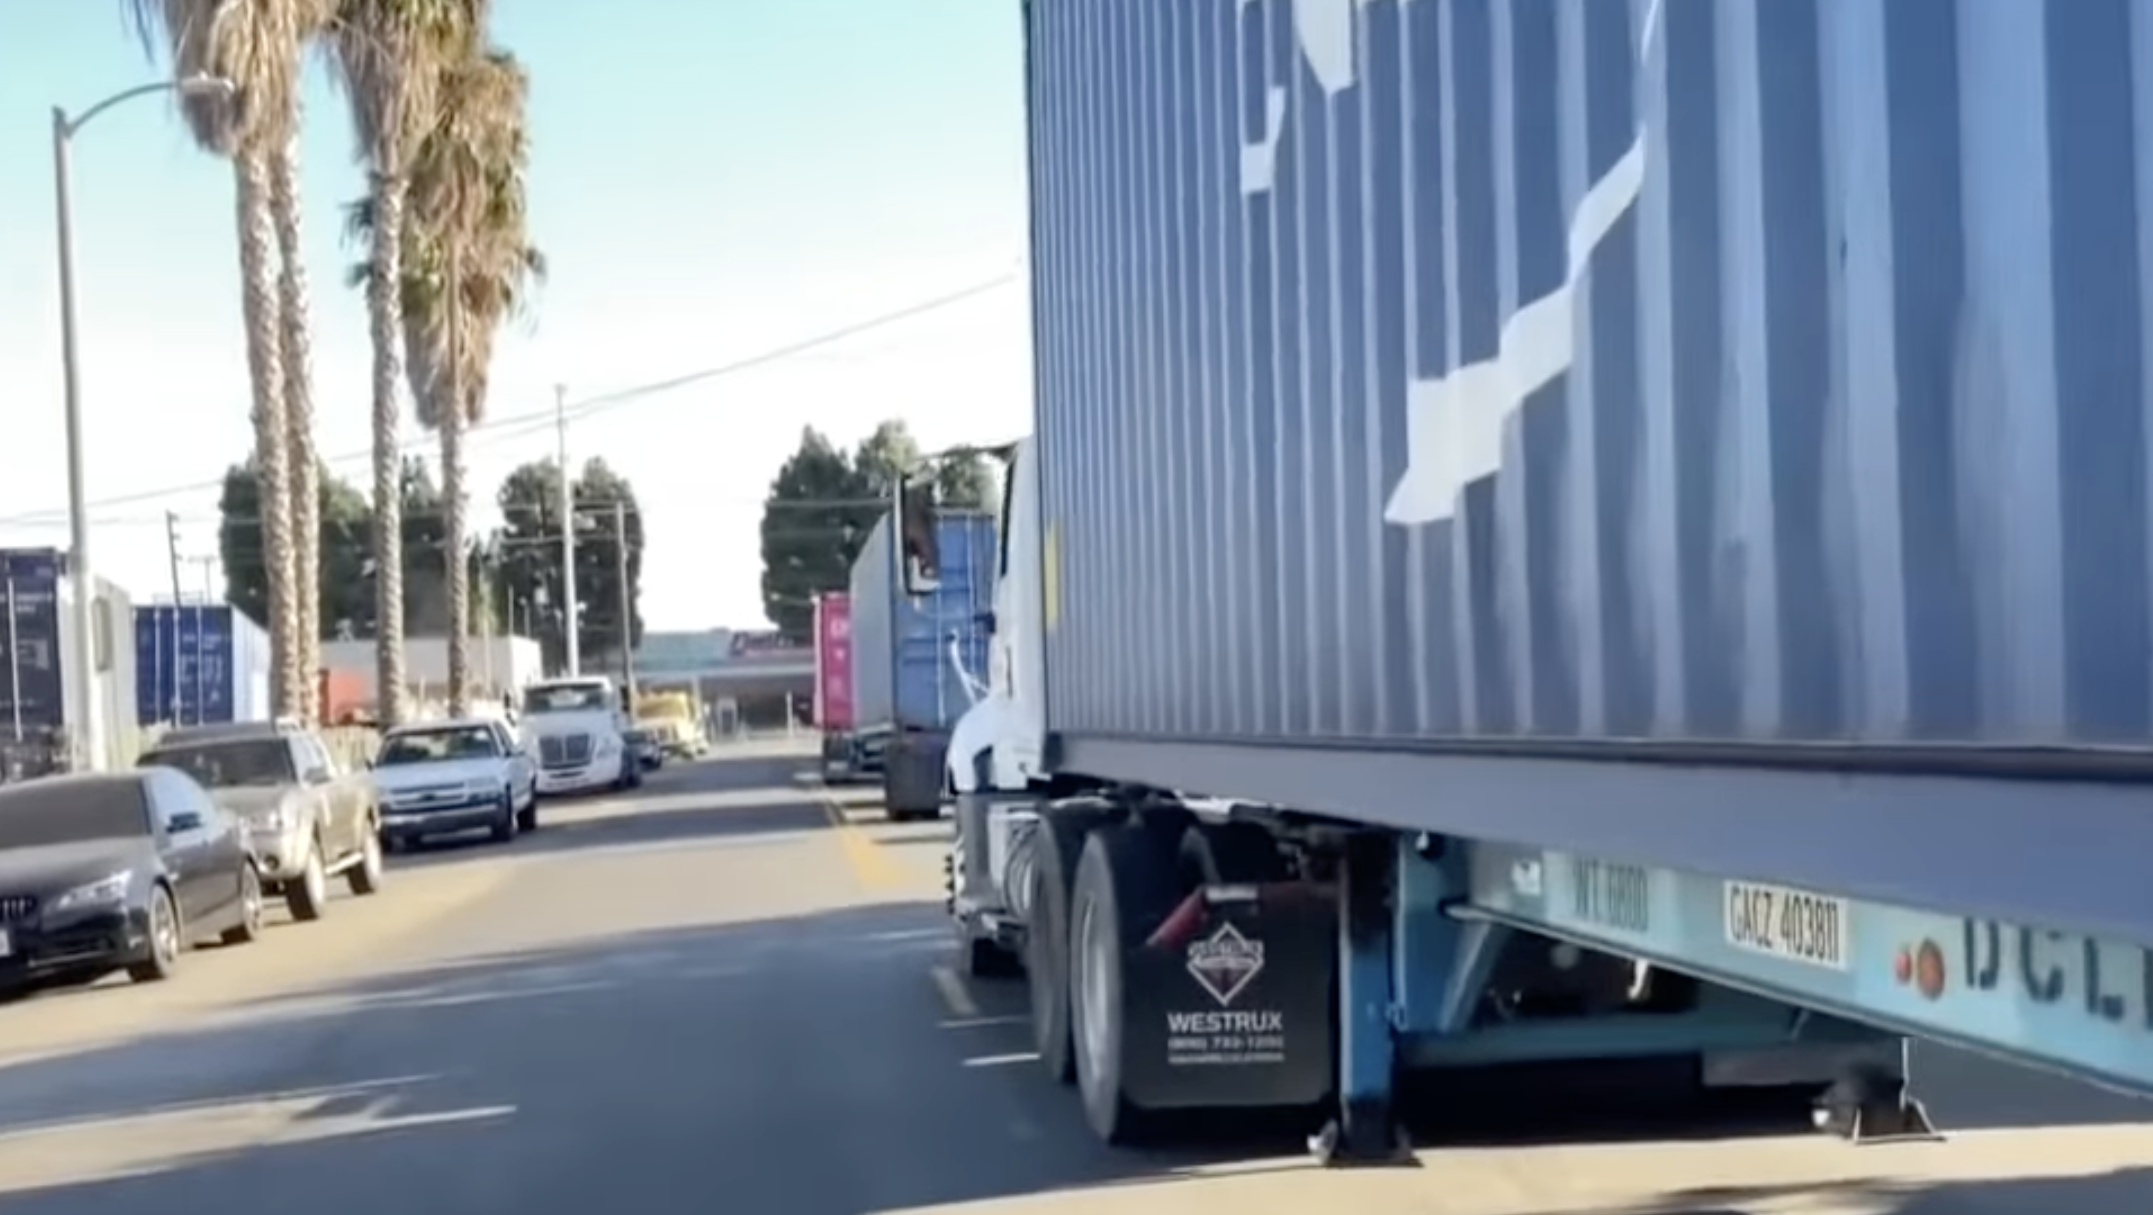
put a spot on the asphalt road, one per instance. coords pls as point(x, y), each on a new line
point(729, 995)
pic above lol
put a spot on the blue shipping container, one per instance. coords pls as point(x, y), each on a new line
point(200, 664)
point(901, 670)
point(32, 690)
point(1414, 378)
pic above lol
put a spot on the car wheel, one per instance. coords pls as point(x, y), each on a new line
point(365, 877)
point(164, 940)
point(527, 818)
point(308, 897)
point(504, 827)
point(249, 926)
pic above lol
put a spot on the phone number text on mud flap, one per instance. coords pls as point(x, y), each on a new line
point(1199, 1038)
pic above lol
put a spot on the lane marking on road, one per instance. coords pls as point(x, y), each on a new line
point(1027, 1056)
point(955, 995)
point(981, 1022)
point(871, 866)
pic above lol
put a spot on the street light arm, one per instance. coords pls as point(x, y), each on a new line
point(191, 86)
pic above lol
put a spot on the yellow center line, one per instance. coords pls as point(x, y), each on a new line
point(871, 865)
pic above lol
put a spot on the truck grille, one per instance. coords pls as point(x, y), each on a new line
point(16, 907)
point(564, 750)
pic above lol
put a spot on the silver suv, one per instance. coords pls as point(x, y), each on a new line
point(307, 820)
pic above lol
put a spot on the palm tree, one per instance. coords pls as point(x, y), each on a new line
point(389, 55)
point(257, 45)
point(468, 265)
point(296, 347)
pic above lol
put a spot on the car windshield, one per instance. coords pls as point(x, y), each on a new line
point(567, 698)
point(433, 746)
point(242, 763)
point(37, 813)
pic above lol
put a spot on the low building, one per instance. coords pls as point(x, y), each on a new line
point(499, 666)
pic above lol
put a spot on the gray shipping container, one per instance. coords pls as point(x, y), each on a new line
point(1511, 380)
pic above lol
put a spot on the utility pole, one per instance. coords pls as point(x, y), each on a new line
point(171, 551)
point(570, 626)
point(627, 603)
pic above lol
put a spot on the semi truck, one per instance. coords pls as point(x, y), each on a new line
point(1568, 533)
point(918, 651)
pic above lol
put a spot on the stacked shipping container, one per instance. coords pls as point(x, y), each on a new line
point(41, 694)
point(200, 664)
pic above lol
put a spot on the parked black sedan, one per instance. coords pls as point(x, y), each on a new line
point(123, 870)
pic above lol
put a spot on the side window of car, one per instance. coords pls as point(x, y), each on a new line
point(312, 760)
point(177, 805)
point(503, 740)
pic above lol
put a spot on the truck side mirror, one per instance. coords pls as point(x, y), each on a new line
point(919, 556)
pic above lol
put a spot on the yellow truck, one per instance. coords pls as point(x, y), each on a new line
point(675, 719)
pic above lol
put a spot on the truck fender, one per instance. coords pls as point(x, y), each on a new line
point(969, 761)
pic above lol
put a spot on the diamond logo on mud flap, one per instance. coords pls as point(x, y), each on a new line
point(1225, 963)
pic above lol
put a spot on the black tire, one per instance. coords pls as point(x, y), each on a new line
point(527, 818)
point(365, 877)
point(984, 959)
point(504, 827)
point(914, 815)
point(249, 927)
point(307, 896)
point(1059, 842)
point(1125, 884)
point(166, 937)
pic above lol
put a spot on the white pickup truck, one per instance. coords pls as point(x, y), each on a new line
point(576, 728)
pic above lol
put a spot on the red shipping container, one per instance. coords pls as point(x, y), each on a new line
point(343, 696)
point(833, 661)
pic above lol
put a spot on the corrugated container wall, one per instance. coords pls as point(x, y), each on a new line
point(41, 634)
point(901, 669)
point(200, 663)
point(833, 661)
point(1739, 369)
point(31, 688)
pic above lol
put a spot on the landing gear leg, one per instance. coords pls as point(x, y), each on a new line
point(1366, 1131)
point(1873, 1107)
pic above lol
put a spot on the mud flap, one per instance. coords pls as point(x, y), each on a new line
point(1230, 1003)
point(912, 775)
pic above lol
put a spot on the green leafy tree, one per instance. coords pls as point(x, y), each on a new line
point(347, 561)
point(967, 482)
point(425, 526)
point(525, 558)
point(815, 517)
point(884, 456)
point(346, 593)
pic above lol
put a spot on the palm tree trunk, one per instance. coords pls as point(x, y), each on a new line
point(265, 366)
point(385, 327)
point(451, 420)
point(298, 355)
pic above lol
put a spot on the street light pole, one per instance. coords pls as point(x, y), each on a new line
point(88, 740)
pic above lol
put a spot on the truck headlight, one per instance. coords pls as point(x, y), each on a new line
point(100, 893)
point(609, 745)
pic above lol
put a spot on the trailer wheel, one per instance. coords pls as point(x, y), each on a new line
point(1125, 884)
point(1059, 842)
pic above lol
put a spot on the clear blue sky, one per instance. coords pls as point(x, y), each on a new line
point(711, 179)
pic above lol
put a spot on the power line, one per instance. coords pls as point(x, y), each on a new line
point(535, 421)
